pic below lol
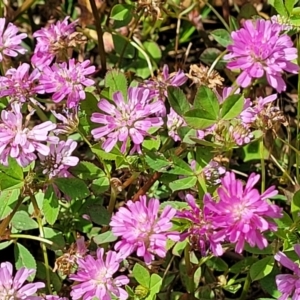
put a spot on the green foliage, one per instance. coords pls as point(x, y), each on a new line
point(222, 36)
point(11, 177)
point(8, 200)
point(232, 107)
point(177, 100)
point(261, 268)
point(22, 221)
point(50, 205)
point(115, 80)
point(72, 187)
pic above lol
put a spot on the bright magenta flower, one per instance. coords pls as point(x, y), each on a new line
point(94, 277)
point(142, 229)
point(259, 49)
point(10, 41)
point(242, 213)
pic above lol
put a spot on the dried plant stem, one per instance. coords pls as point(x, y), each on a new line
point(100, 36)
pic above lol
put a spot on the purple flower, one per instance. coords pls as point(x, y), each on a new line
point(213, 171)
point(13, 287)
point(158, 85)
point(242, 212)
point(69, 120)
point(201, 230)
point(52, 41)
point(52, 297)
point(18, 84)
point(126, 119)
point(174, 122)
point(66, 81)
point(94, 277)
point(59, 159)
point(289, 284)
point(20, 142)
point(240, 134)
point(260, 49)
point(142, 230)
point(10, 41)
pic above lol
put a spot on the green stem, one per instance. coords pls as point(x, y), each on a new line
point(43, 246)
point(218, 16)
point(26, 4)
point(100, 36)
point(112, 200)
point(187, 259)
point(39, 112)
point(30, 237)
point(298, 113)
point(263, 166)
point(246, 287)
point(216, 61)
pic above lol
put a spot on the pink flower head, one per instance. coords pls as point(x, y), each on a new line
point(66, 81)
point(18, 84)
point(59, 159)
point(174, 122)
point(52, 297)
point(20, 142)
point(142, 230)
point(69, 120)
point(242, 212)
point(289, 284)
point(13, 287)
point(260, 49)
point(51, 41)
point(10, 41)
point(126, 119)
point(158, 85)
point(94, 277)
point(201, 230)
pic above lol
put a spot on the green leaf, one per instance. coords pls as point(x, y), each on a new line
point(199, 118)
point(103, 238)
point(56, 237)
point(153, 50)
point(233, 23)
point(116, 81)
point(179, 248)
point(50, 206)
point(222, 36)
point(98, 214)
point(8, 200)
point(112, 155)
point(156, 161)
point(22, 221)
point(218, 264)
point(121, 43)
point(280, 8)
point(73, 187)
point(243, 266)
point(100, 185)
point(54, 278)
point(183, 183)
point(256, 250)
point(87, 171)
point(4, 245)
point(11, 177)
point(232, 107)
point(121, 12)
point(207, 100)
point(262, 268)
point(268, 283)
point(177, 100)
point(142, 275)
point(180, 167)
point(209, 56)
point(25, 259)
point(295, 206)
point(289, 5)
point(155, 284)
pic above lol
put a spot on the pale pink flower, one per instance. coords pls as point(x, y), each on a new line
point(174, 122)
point(142, 229)
point(94, 277)
point(10, 40)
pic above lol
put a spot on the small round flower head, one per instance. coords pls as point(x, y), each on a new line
point(201, 230)
point(10, 41)
point(58, 161)
point(126, 119)
point(240, 134)
point(53, 41)
point(94, 277)
point(260, 49)
point(13, 287)
point(18, 84)
point(66, 81)
point(289, 284)
point(242, 212)
point(283, 21)
point(20, 142)
point(158, 85)
point(142, 230)
point(174, 121)
point(213, 172)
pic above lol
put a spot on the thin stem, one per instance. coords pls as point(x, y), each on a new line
point(40, 113)
point(218, 16)
point(246, 287)
point(263, 166)
point(100, 36)
point(26, 4)
point(43, 246)
point(298, 113)
point(215, 62)
point(30, 237)
point(112, 200)
point(187, 259)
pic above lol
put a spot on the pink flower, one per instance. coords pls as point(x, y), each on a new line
point(242, 213)
point(13, 287)
point(66, 81)
point(52, 297)
point(289, 284)
point(18, 84)
point(142, 230)
point(201, 230)
point(126, 119)
point(94, 277)
point(174, 122)
point(51, 41)
point(20, 142)
point(59, 159)
point(10, 41)
point(69, 120)
point(260, 49)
